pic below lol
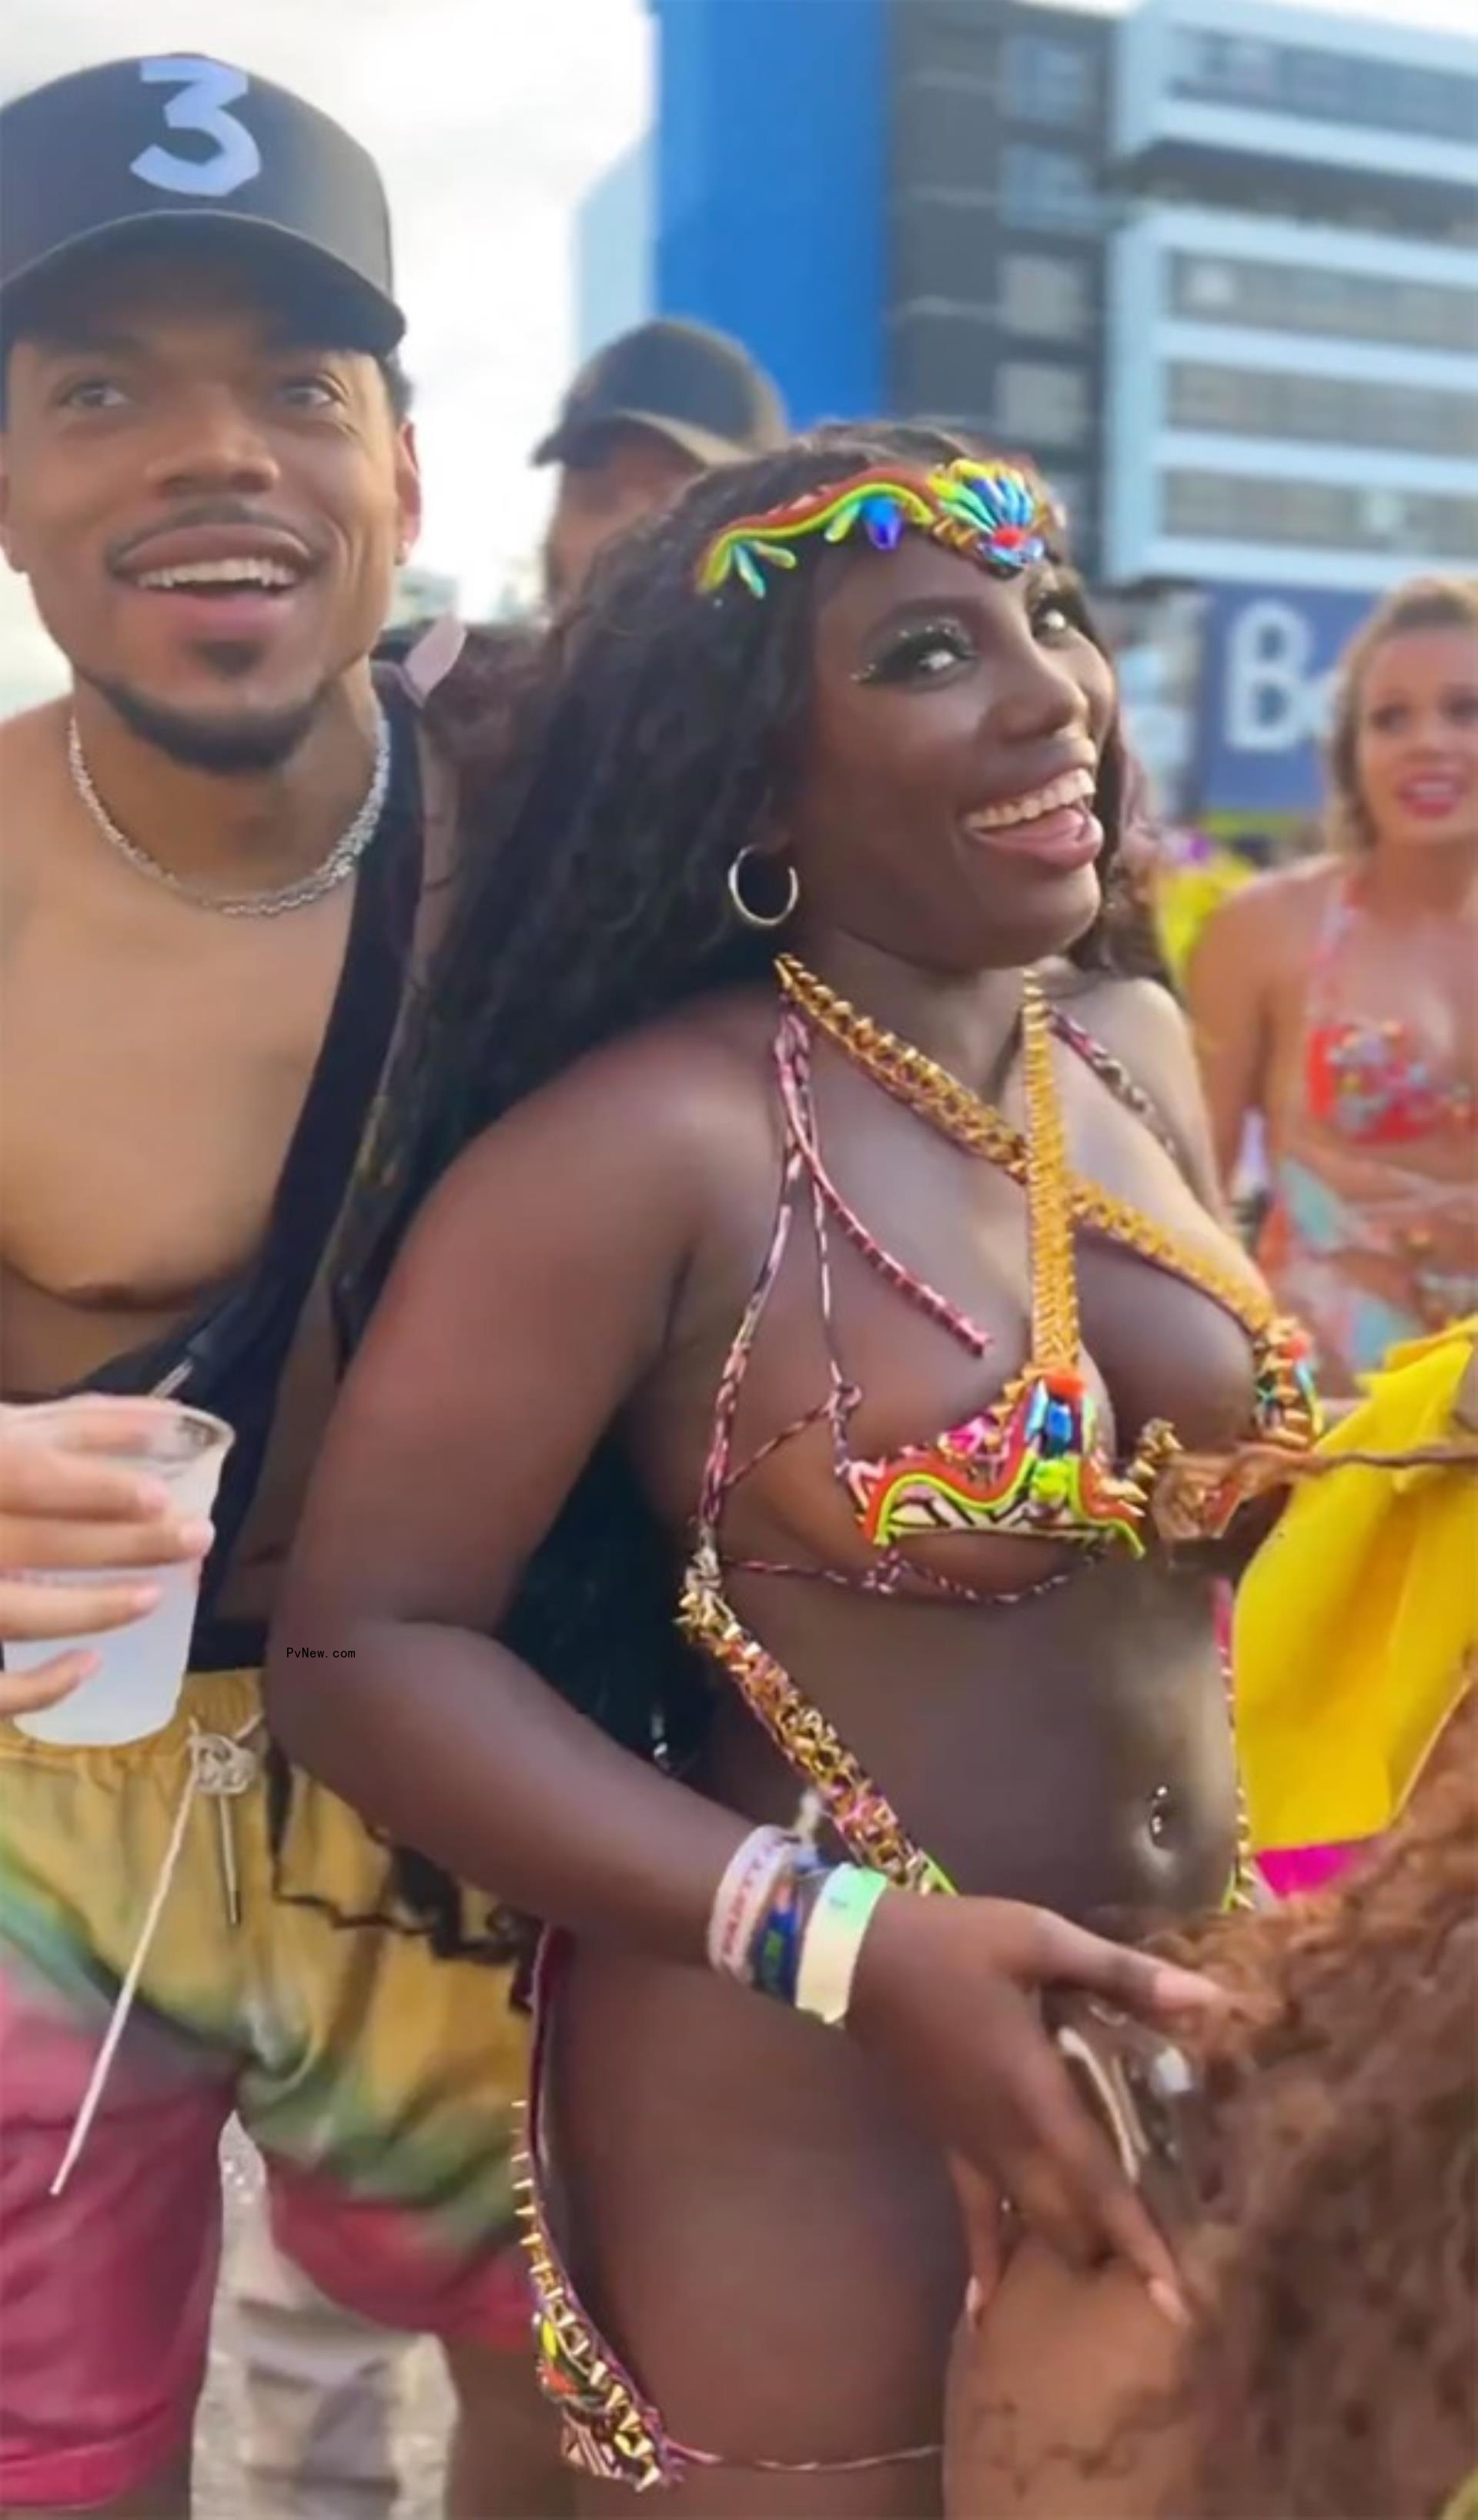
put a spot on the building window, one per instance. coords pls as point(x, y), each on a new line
point(1206, 286)
point(1348, 305)
point(1325, 85)
point(1044, 299)
point(1036, 405)
point(1231, 68)
point(1318, 83)
point(1203, 398)
point(1251, 70)
point(1415, 525)
point(1047, 188)
point(1048, 80)
point(1255, 402)
point(937, 129)
point(943, 364)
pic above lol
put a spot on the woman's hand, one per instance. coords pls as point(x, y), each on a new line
point(948, 1991)
point(67, 1507)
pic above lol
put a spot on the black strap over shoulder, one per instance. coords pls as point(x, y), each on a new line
point(230, 1356)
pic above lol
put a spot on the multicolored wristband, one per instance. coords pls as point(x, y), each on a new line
point(787, 1925)
point(739, 1903)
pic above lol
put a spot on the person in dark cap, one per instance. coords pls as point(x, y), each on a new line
point(224, 853)
point(651, 410)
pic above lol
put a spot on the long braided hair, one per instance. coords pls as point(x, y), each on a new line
point(656, 727)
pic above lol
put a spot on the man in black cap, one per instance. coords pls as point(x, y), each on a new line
point(652, 409)
point(223, 856)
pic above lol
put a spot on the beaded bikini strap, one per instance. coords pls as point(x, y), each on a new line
point(804, 1160)
point(1111, 1072)
point(716, 1469)
point(792, 1054)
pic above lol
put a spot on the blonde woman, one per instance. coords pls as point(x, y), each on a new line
point(1337, 999)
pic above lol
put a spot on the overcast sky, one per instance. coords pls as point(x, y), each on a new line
point(489, 119)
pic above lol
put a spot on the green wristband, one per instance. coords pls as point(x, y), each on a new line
point(835, 1933)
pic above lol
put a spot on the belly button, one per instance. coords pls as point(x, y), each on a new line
point(1158, 1826)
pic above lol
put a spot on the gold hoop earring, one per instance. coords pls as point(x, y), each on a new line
point(758, 918)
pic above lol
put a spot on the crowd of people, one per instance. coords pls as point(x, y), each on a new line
point(581, 1104)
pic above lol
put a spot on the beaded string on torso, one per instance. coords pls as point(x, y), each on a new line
point(1030, 1463)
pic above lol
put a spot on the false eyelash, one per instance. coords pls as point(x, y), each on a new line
point(902, 650)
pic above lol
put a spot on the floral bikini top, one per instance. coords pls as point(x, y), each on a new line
point(1369, 1081)
point(1033, 1463)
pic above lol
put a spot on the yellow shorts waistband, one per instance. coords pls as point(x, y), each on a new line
point(210, 1701)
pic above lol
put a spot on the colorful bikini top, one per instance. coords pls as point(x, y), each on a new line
point(1034, 1461)
point(1369, 1081)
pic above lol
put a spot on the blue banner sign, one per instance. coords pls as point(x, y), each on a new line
point(1268, 658)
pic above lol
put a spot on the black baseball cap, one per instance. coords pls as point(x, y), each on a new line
point(693, 386)
point(175, 147)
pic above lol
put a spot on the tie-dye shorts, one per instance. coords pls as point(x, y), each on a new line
point(377, 2079)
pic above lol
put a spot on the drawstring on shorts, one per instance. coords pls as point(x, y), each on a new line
point(220, 1766)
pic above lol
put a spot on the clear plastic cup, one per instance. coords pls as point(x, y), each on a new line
point(136, 1687)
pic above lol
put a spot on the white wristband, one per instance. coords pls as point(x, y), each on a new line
point(836, 1931)
point(750, 1878)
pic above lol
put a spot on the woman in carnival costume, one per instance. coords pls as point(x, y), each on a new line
point(830, 1112)
point(1335, 999)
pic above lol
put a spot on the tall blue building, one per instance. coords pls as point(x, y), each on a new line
point(772, 187)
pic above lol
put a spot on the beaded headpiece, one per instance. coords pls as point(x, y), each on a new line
point(990, 512)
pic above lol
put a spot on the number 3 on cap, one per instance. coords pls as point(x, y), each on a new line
point(206, 88)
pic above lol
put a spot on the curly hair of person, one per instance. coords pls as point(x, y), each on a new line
point(1337, 2377)
point(1421, 603)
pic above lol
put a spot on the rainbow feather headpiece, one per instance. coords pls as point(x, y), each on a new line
point(990, 512)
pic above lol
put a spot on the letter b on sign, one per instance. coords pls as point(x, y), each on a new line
point(1274, 700)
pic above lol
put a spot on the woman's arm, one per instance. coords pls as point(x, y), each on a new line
point(1227, 993)
point(533, 1300)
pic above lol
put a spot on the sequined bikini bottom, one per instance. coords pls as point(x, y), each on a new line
point(609, 2426)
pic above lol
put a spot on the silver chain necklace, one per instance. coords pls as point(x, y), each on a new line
point(341, 860)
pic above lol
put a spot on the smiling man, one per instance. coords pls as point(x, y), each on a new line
point(221, 860)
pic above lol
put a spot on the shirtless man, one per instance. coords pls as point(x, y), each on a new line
point(220, 860)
